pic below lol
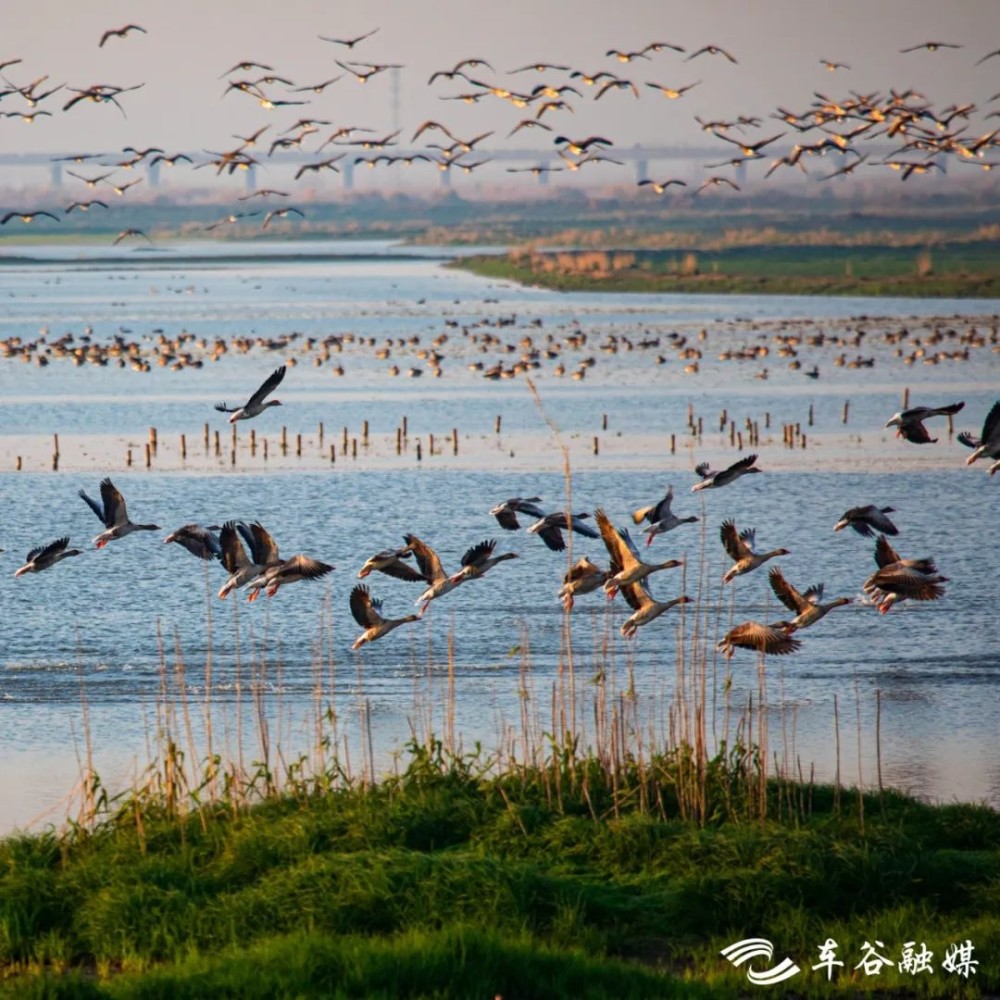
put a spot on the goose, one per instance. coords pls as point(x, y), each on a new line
point(900, 579)
point(298, 567)
point(482, 560)
point(243, 569)
point(367, 612)
point(430, 565)
point(46, 555)
point(909, 424)
point(740, 545)
point(506, 512)
point(772, 639)
point(807, 607)
point(349, 42)
point(391, 562)
point(583, 577)
point(626, 566)
point(660, 517)
point(864, 519)
point(550, 528)
point(712, 50)
point(638, 597)
point(198, 540)
point(712, 479)
point(255, 405)
point(112, 512)
point(988, 442)
point(119, 33)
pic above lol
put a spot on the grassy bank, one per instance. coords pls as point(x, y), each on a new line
point(450, 880)
point(956, 271)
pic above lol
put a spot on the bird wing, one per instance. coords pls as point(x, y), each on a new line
point(885, 554)
point(991, 426)
point(552, 535)
point(364, 609)
point(743, 464)
point(303, 566)
point(964, 437)
point(786, 593)
point(263, 548)
point(734, 543)
point(401, 571)
point(47, 551)
point(234, 556)
point(704, 470)
point(915, 432)
point(877, 519)
point(427, 558)
point(615, 543)
point(580, 570)
point(637, 595)
point(764, 638)
point(114, 504)
point(507, 519)
point(270, 384)
point(474, 555)
point(93, 504)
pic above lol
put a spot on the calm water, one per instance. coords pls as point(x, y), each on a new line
point(93, 628)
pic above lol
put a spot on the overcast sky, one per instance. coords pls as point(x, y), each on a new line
point(189, 44)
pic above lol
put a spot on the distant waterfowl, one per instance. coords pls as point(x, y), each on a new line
point(900, 579)
point(867, 520)
point(712, 50)
point(583, 577)
point(987, 445)
point(626, 566)
point(550, 528)
point(112, 512)
point(506, 512)
point(909, 423)
point(255, 405)
point(367, 612)
point(241, 568)
point(638, 597)
point(198, 540)
point(774, 640)
point(349, 42)
point(807, 606)
point(119, 33)
point(26, 216)
point(298, 567)
point(660, 186)
point(126, 233)
point(713, 479)
point(392, 562)
point(480, 560)
point(931, 46)
point(740, 546)
point(46, 556)
point(430, 566)
point(660, 517)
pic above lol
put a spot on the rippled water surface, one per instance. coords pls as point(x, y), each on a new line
point(106, 631)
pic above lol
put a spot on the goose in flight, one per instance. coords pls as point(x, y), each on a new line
point(430, 566)
point(909, 424)
point(26, 216)
point(349, 42)
point(899, 579)
point(712, 50)
point(775, 640)
point(198, 540)
point(367, 612)
point(392, 562)
point(988, 443)
point(482, 559)
point(255, 405)
point(298, 567)
point(506, 512)
point(46, 555)
point(550, 528)
point(807, 606)
point(638, 597)
point(867, 520)
point(119, 33)
point(583, 577)
point(740, 546)
point(931, 46)
point(626, 566)
point(112, 512)
point(241, 568)
point(660, 517)
point(713, 479)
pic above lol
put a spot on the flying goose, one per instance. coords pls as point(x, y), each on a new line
point(255, 405)
point(626, 566)
point(988, 442)
point(119, 33)
point(864, 519)
point(506, 512)
point(198, 540)
point(430, 565)
point(367, 612)
point(583, 577)
point(391, 562)
point(740, 545)
point(774, 640)
point(712, 479)
point(46, 555)
point(807, 607)
point(550, 528)
point(112, 512)
point(909, 424)
point(901, 579)
point(480, 559)
point(660, 517)
point(298, 567)
point(638, 597)
point(241, 568)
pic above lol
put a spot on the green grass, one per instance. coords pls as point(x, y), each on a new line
point(448, 882)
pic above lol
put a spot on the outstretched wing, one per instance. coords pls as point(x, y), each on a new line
point(93, 505)
point(263, 548)
point(364, 608)
point(786, 593)
point(477, 553)
point(427, 558)
point(114, 504)
point(46, 551)
point(885, 554)
point(270, 384)
point(734, 543)
point(234, 556)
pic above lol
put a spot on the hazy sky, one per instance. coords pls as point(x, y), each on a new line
point(191, 43)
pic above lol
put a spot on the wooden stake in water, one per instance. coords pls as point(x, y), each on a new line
point(604, 422)
point(364, 433)
point(454, 440)
point(333, 454)
point(284, 440)
point(496, 425)
point(149, 455)
point(420, 453)
point(128, 458)
point(430, 445)
point(847, 410)
point(184, 448)
point(810, 414)
point(253, 441)
point(265, 449)
point(597, 445)
point(298, 445)
point(354, 447)
point(152, 438)
point(320, 432)
point(906, 398)
point(673, 444)
point(399, 440)
point(18, 465)
point(205, 438)
point(406, 426)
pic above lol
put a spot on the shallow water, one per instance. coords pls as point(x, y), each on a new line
point(91, 630)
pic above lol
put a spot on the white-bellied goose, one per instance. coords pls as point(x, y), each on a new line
point(255, 405)
point(867, 520)
point(740, 546)
point(638, 597)
point(626, 566)
point(909, 424)
point(298, 567)
point(45, 556)
point(902, 579)
point(807, 606)
point(550, 528)
point(583, 577)
point(711, 479)
point(771, 639)
point(241, 568)
point(988, 443)
point(113, 514)
point(198, 540)
point(506, 512)
point(367, 613)
point(392, 563)
point(660, 517)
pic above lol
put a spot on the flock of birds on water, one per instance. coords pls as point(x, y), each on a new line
point(921, 136)
point(250, 555)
